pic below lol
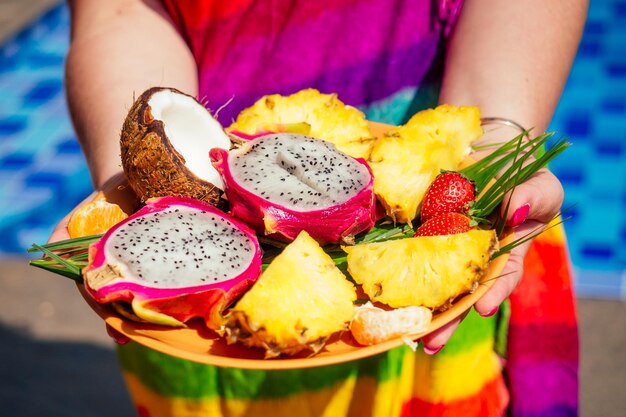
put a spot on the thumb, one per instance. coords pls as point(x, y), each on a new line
point(539, 198)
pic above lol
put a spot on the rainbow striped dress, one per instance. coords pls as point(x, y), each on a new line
point(385, 57)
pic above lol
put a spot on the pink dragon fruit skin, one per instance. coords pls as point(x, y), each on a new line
point(332, 224)
point(173, 302)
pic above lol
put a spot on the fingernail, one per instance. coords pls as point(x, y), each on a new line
point(117, 337)
point(489, 313)
point(519, 216)
point(121, 339)
point(430, 351)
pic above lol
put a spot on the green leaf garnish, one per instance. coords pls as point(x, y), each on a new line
point(66, 257)
point(510, 165)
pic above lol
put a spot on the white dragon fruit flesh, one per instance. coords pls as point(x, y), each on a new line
point(284, 183)
point(173, 260)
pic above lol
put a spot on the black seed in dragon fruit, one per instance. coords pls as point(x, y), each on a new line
point(284, 183)
point(173, 260)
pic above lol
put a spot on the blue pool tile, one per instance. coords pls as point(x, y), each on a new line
point(16, 161)
point(69, 146)
point(594, 28)
point(45, 59)
point(48, 180)
point(44, 91)
point(612, 150)
point(590, 49)
point(619, 7)
point(616, 70)
point(615, 105)
point(598, 252)
point(578, 123)
point(570, 177)
point(12, 125)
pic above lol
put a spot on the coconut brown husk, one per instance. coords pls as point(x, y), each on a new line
point(154, 168)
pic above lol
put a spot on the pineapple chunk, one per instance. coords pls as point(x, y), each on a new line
point(329, 119)
point(429, 271)
point(407, 159)
point(299, 301)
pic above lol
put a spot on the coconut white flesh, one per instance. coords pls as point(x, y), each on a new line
point(298, 172)
point(179, 247)
point(192, 131)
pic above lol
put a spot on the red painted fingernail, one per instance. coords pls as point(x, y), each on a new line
point(489, 313)
point(519, 216)
point(117, 337)
point(430, 351)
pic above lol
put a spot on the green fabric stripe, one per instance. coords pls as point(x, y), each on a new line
point(171, 376)
point(398, 108)
point(473, 329)
point(177, 377)
point(502, 328)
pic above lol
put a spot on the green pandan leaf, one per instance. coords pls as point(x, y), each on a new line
point(67, 257)
point(510, 165)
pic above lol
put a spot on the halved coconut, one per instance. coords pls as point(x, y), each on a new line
point(165, 145)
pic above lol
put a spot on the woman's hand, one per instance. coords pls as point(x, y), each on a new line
point(532, 206)
point(512, 70)
point(115, 190)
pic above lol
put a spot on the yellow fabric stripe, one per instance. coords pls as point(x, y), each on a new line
point(327, 403)
point(555, 234)
point(439, 379)
point(449, 378)
point(362, 397)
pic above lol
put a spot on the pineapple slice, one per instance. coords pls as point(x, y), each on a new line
point(327, 116)
point(407, 159)
point(429, 271)
point(299, 301)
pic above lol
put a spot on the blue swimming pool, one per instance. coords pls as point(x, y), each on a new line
point(43, 173)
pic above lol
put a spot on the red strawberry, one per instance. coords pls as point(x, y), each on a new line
point(445, 224)
point(450, 192)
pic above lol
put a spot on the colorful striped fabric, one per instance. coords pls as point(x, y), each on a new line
point(384, 56)
point(542, 367)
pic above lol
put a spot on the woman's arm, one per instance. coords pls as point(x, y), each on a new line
point(511, 59)
point(118, 49)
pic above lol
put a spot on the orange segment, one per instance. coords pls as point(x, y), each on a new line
point(372, 325)
point(95, 217)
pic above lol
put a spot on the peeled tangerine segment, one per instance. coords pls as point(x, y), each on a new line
point(406, 160)
point(328, 118)
point(372, 325)
point(173, 260)
point(299, 301)
point(94, 218)
point(429, 271)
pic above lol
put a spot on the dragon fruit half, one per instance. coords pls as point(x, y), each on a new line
point(173, 260)
point(284, 183)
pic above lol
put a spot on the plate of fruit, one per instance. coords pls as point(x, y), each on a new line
point(301, 235)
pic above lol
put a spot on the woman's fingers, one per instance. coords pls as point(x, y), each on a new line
point(532, 205)
point(510, 276)
point(538, 198)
